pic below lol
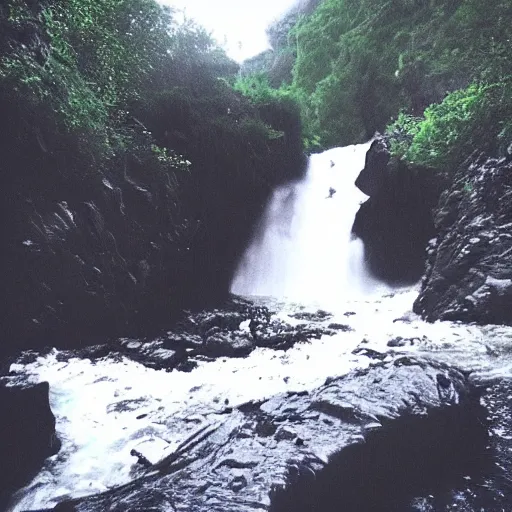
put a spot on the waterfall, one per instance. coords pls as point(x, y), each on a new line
point(303, 249)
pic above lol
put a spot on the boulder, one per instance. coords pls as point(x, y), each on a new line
point(375, 173)
point(27, 427)
point(488, 486)
point(398, 430)
point(395, 223)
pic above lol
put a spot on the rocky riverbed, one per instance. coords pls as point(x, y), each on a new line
point(266, 405)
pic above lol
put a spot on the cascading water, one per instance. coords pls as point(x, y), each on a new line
point(304, 249)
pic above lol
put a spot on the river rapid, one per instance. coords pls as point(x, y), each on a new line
point(302, 260)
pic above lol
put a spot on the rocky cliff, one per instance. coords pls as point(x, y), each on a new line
point(111, 225)
point(279, 60)
point(395, 223)
point(469, 268)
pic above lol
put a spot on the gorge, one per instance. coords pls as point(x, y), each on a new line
point(199, 316)
point(279, 403)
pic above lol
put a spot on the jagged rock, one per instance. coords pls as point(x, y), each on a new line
point(368, 352)
point(27, 427)
point(375, 172)
point(265, 455)
point(233, 331)
point(402, 342)
point(469, 267)
point(340, 327)
point(395, 223)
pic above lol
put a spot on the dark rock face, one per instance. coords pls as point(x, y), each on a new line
point(288, 452)
point(469, 268)
point(114, 253)
point(490, 487)
point(411, 456)
point(373, 177)
point(27, 427)
point(395, 223)
point(107, 258)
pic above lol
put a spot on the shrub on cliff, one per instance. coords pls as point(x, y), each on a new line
point(256, 87)
point(477, 117)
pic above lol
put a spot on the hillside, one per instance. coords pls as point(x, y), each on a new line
point(132, 172)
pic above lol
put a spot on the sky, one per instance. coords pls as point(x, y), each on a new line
point(240, 24)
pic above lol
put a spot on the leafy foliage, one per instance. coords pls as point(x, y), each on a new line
point(257, 88)
point(358, 63)
point(478, 116)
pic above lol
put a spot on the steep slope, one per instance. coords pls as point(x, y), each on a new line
point(131, 172)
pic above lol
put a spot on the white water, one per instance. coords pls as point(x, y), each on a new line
point(303, 249)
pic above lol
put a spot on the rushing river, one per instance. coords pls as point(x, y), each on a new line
point(302, 257)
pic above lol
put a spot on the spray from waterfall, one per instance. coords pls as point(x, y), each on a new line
point(303, 249)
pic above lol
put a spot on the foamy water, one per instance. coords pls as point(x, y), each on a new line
point(304, 249)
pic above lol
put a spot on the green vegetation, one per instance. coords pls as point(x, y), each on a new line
point(118, 113)
point(359, 63)
point(257, 88)
point(477, 117)
point(94, 60)
point(104, 68)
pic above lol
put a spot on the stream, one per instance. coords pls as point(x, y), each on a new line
point(303, 266)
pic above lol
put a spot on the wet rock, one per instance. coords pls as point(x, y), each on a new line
point(229, 344)
point(154, 354)
point(340, 327)
point(234, 311)
point(368, 352)
point(402, 342)
point(278, 453)
point(485, 484)
point(395, 223)
point(317, 316)
point(242, 326)
point(395, 461)
point(469, 268)
point(238, 483)
point(285, 434)
point(27, 427)
point(183, 340)
point(281, 335)
point(373, 177)
point(231, 332)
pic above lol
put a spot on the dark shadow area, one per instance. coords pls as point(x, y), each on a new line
point(27, 430)
point(395, 223)
point(410, 457)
